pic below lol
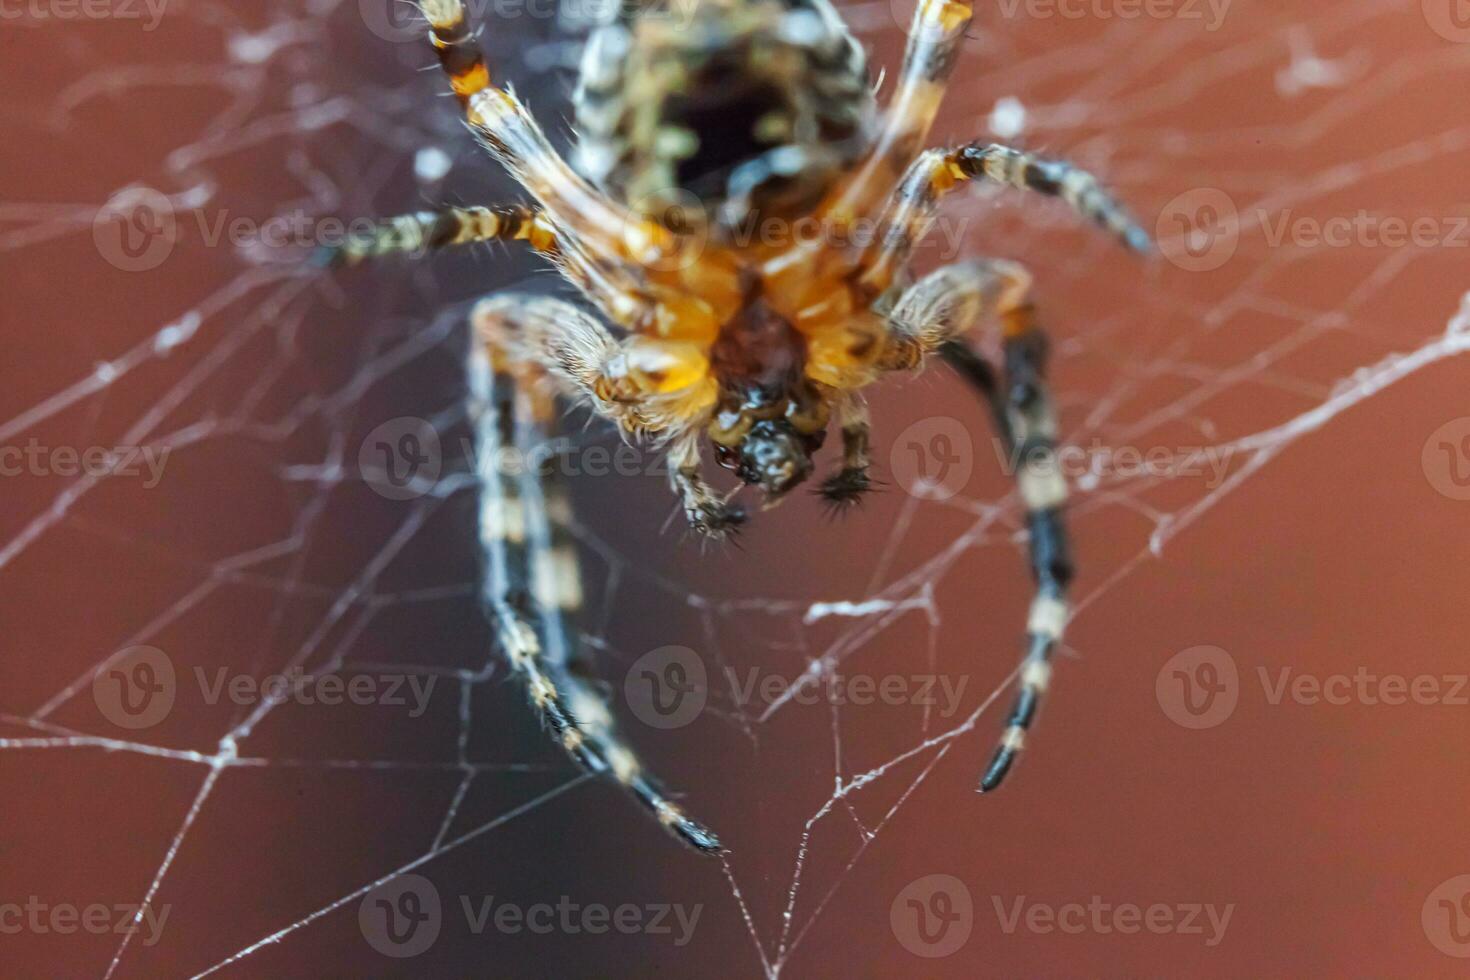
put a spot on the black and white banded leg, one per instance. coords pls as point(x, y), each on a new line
point(934, 314)
point(1027, 425)
point(530, 585)
point(429, 231)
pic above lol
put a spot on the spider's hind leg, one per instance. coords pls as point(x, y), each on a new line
point(931, 316)
point(531, 583)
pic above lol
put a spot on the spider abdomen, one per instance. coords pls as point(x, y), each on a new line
point(733, 109)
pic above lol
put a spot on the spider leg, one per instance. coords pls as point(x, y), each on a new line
point(564, 343)
point(934, 39)
point(847, 485)
point(531, 581)
point(508, 130)
point(955, 299)
point(938, 172)
point(425, 231)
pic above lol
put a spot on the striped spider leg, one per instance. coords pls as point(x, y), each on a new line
point(935, 313)
point(531, 579)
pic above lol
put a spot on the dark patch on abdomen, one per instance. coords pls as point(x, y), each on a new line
point(721, 109)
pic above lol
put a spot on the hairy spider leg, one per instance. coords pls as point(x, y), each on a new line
point(935, 34)
point(447, 227)
point(531, 580)
point(934, 313)
point(937, 172)
point(600, 240)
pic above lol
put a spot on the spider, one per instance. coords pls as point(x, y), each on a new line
point(698, 135)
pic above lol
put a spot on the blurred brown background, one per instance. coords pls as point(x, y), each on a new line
point(1332, 833)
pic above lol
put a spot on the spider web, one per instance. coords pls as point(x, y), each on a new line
point(268, 545)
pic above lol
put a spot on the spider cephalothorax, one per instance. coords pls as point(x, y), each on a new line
point(742, 226)
point(769, 418)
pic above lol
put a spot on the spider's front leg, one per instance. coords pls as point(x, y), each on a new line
point(531, 576)
point(931, 316)
point(572, 347)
